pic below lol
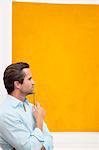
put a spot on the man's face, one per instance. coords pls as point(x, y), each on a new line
point(27, 87)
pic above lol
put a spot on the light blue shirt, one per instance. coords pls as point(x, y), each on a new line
point(17, 127)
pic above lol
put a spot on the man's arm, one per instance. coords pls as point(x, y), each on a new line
point(39, 114)
point(18, 135)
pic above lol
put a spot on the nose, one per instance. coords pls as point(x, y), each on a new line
point(33, 82)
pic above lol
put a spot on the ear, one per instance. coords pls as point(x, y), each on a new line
point(17, 84)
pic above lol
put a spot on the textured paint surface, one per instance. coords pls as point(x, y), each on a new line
point(60, 42)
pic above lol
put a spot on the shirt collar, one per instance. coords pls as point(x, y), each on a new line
point(26, 101)
point(14, 102)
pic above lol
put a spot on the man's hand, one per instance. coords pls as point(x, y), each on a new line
point(43, 148)
point(39, 114)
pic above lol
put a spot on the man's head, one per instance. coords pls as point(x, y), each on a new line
point(18, 77)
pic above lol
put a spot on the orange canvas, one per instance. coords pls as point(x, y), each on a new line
point(60, 42)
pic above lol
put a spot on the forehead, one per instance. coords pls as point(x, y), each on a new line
point(27, 72)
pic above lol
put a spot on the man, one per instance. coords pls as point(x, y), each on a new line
point(22, 125)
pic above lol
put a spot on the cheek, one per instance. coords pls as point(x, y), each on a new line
point(28, 84)
point(24, 86)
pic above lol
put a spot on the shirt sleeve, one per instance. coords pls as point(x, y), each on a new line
point(17, 135)
point(48, 143)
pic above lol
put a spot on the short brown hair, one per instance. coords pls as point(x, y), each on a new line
point(14, 73)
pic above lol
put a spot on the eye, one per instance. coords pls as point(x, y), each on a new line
point(30, 78)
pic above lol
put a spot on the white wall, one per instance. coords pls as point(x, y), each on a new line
point(76, 140)
point(63, 1)
point(5, 40)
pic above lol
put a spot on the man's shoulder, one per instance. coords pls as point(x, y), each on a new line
point(2, 106)
point(7, 113)
point(4, 102)
point(5, 108)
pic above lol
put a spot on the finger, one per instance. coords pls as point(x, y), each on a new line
point(33, 109)
point(37, 104)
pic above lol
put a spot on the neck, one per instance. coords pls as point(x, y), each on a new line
point(17, 95)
